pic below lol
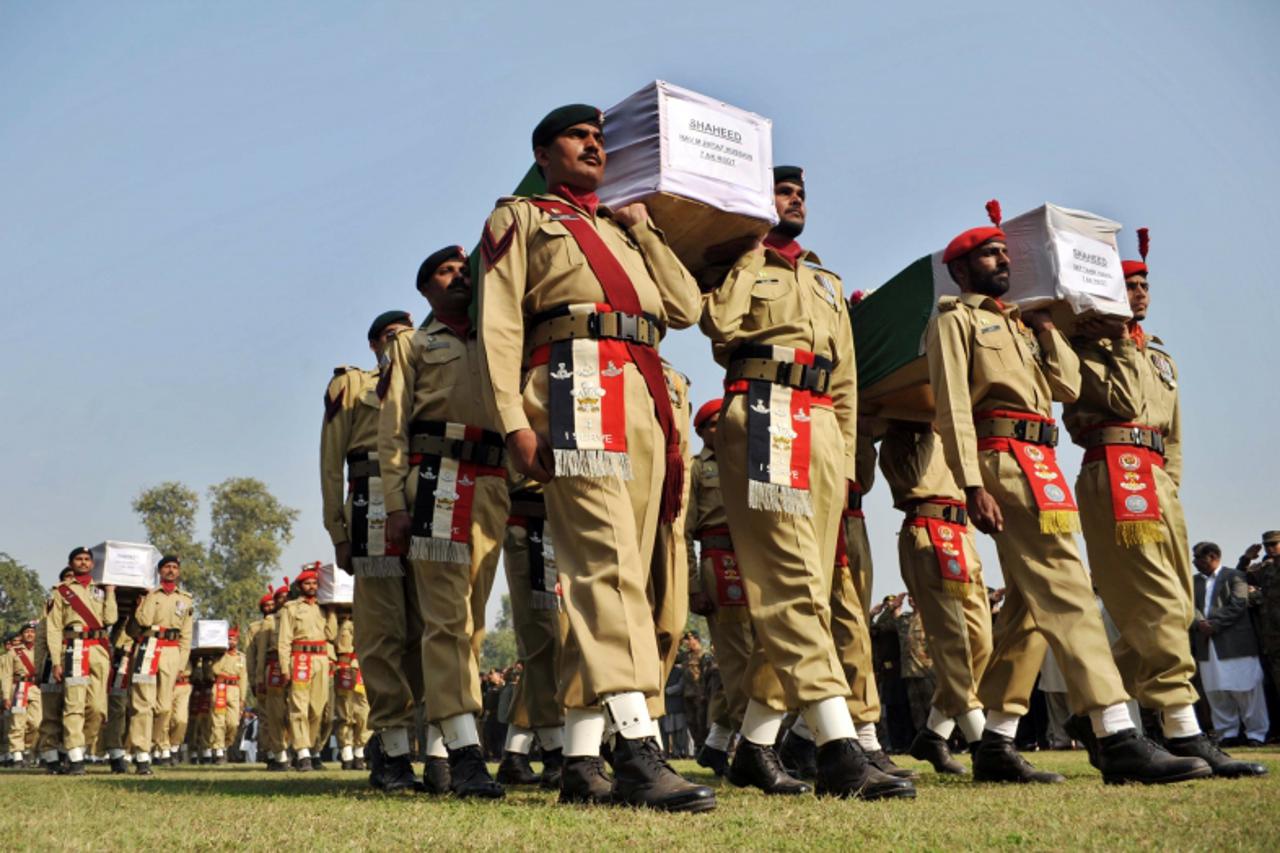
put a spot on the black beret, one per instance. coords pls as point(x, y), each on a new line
point(66, 573)
point(788, 173)
point(386, 318)
point(76, 552)
point(168, 558)
point(435, 259)
point(561, 119)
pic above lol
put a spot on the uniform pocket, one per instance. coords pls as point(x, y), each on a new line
point(553, 247)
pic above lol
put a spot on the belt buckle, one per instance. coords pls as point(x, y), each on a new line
point(1020, 430)
point(628, 327)
point(593, 325)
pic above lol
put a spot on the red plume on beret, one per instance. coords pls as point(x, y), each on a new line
point(975, 237)
point(857, 296)
point(1138, 267)
point(993, 212)
point(1144, 241)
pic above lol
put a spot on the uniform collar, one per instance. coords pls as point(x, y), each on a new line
point(600, 210)
point(707, 453)
point(436, 326)
point(990, 303)
point(168, 587)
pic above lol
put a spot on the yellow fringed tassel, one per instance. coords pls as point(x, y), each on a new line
point(1131, 534)
point(1059, 521)
point(953, 589)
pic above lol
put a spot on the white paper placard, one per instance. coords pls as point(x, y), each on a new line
point(210, 634)
point(130, 564)
point(1086, 265)
point(712, 142)
point(336, 586)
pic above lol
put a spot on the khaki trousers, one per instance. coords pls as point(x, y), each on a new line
point(84, 706)
point(274, 736)
point(223, 724)
point(388, 629)
point(307, 700)
point(114, 733)
point(50, 736)
point(537, 632)
point(449, 597)
point(152, 703)
point(786, 563)
point(669, 597)
point(199, 736)
point(858, 547)
point(603, 531)
point(733, 640)
point(958, 631)
point(172, 736)
point(352, 723)
point(24, 728)
point(852, 637)
point(1147, 590)
point(1048, 599)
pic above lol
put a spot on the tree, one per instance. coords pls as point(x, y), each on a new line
point(499, 647)
point(168, 513)
point(21, 593)
point(249, 528)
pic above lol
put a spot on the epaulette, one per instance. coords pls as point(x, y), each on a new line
point(948, 303)
point(338, 371)
point(509, 199)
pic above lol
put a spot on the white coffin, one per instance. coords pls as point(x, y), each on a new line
point(703, 167)
point(125, 564)
point(210, 634)
point(1067, 257)
point(336, 586)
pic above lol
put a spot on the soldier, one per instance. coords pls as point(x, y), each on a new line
point(351, 705)
point(574, 300)
point(786, 445)
point(994, 380)
point(174, 735)
point(115, 733)
point(22, 694)
point(49, 740)
point(1264, 576)
point(303, 634)
point(164, 620)
point(253, 651)
point(77, 638)
point(938, 559)
point(272, 680)
point(1128, 421)
point(230, 674)
point(200, 732)
point(529, 559)
point(854, 519)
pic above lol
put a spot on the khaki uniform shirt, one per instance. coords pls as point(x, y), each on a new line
point(1123, 382)
point(433, 376)
point(264, 642)
point(160, 609)
point(350, 424)
point(982, 356)
point(706, 507)
point(544, 269)
point(100, 602)
point(764, 301)
point(346, 640)
point(915, 467)
point(7, 663)
point(251, 650)
point(231, 664)
point(302, 620)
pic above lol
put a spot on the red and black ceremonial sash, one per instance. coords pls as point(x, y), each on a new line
point(82, 610)
point(1135, 504)
point(147, 663)
point(302, 669)
point(730, 591)
point(220, 697)
point(778, 433)
point(75, 660)
point(345, 677)
point(21, 697)
point(27, 663)
point(947, 539)
point(446, 492)
point(371, 554)
point(1039, 464)
point(620, 294)
point(543, 583)
point(200, 700)
point(121, 671)
point(275, 675)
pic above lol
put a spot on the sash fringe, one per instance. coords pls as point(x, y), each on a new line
point(143, 679)
point(77, 680)
point(592, 463)
point(1059, 521)
point(439, 550)
point(1132, 534)
point(771, 497)
point(377, 567)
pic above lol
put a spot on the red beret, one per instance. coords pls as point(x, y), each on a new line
point(709, 408)
point(308, 575)
point(975, 237)
point(233, 631)
point(1133, 268)
point(265, 600)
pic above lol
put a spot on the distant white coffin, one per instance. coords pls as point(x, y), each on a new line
point(336, 586)
point(125, 563)
point(703, 167)
point(1067, 257)
point(210, 634)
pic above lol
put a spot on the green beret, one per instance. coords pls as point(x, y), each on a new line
point(168, 558)
point(562, 118)
point(788, 173)
point(435, 259)
point(76, 552)
point(386, 318)
point(1271, 537)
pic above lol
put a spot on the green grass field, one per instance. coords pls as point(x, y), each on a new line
point(231, 807)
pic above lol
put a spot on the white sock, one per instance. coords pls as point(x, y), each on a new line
point(75, 754)
point(271, 756)
point(113, 754)
point(395, 742)
point(551, 738)
point(142, 758)
point(1003, 723)
point(718, 737)
point(801, 729)
point(519, 740)
point(164, 753)
point(217, 753)
point(829, 720)
point(971, 723)
point(867, 737)
point(940, 724)
point(760, 724)
point(304, 754)
point(435, 743)
point(1110, 720)
point(359, 752)
point(628, 715)
point(17, 757)
point(348, 754)
point(49, 755)
point(460, 731)
point(208, 753)
point(583, 731)
point(1180, 721)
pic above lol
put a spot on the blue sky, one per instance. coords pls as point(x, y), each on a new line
point(203, 205)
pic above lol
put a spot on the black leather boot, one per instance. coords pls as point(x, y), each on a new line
point(996, 760)
point(396, 774)
point(1200, 746)
point(844, 771)
point(278, 766)
point(642, 778)
point(1081, 731)
point(931, 747)
point(118, 765)
point(144, 769)
point(1129, 757)
point(799, 756)
point(881, 761)
point(302, 765)
point(758, 766)
point(516, 770)
point(349, 764)
point(552, 765)
point(715, 760)
point(469, 775)
point(437, 778)
point(583, 780)
point(316, 763)
point(75, 768)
